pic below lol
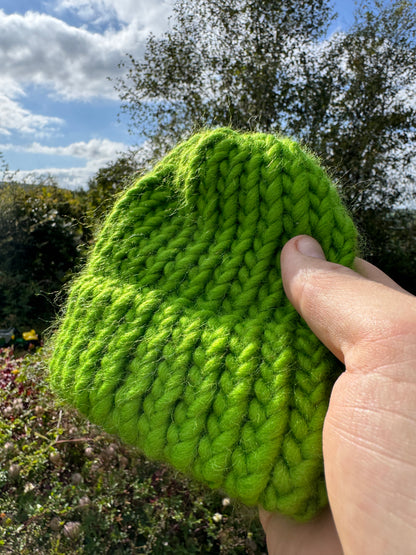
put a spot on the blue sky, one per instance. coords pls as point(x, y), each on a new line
point(58, 110)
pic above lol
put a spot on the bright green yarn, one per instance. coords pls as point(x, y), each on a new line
point(178, 336)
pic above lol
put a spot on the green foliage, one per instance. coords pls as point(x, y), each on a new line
point(356, 112)
point(393, 247)
point(107, 183)
point(45, 232)
point(67, 488)
point(41, 234)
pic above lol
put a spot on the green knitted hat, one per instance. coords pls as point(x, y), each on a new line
point(178, 336)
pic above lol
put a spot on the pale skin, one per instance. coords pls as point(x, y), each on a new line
point(369, 436)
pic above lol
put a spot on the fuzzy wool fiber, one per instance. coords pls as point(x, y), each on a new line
point(177, 335)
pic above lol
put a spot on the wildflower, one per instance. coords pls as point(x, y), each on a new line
point(109, 453)
point(85, 501)
point(95, 469)
point(39, 410)
point(14, 471)
point(123, 461)
point(89, 452)
point(217, 517)
point(55, 524)
point(55, 458)
point(72, 530)
point(18, 405)
point(28, 487)
point(8, 447)
point(226, 501)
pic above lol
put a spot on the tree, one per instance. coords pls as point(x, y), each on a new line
point(264, 65)
point(221, 63)
point(268, 66)
point(355, 108)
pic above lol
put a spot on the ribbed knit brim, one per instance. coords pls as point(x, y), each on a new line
point(178, 336)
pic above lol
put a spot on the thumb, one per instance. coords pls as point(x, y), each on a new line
point(342, 307)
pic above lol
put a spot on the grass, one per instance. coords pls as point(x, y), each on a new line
point(67, 488)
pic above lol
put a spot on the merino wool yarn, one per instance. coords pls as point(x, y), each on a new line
point(178, 336)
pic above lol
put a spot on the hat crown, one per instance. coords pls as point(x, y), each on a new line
point(209, 222)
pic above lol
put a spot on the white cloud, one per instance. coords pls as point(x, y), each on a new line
point(71, 63)
point(37, 48)
point(14, 117)
point(97, 153)
point(68, 178)
point(75, 63)
point(149, 14)
point(95, 149)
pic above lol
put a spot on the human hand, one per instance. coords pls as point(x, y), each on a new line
point(369, 436)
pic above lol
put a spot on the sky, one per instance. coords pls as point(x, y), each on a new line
point(58, 107)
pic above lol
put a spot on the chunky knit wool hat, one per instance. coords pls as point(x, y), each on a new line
point(178, 336)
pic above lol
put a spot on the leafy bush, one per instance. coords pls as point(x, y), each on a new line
point(42, 238)
point(68, 488)
point(391, 244)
